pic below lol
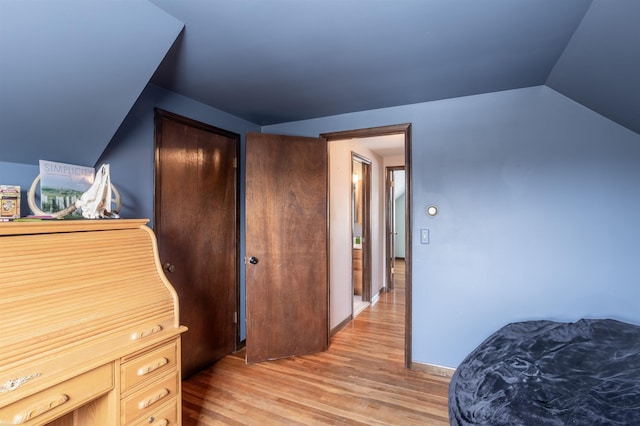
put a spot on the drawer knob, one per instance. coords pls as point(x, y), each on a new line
point(39, 409)
point(163, 422)
point(152, 399)
point(152, 366)
point(144, 333)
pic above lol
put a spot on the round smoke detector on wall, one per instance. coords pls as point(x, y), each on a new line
point(432, 210)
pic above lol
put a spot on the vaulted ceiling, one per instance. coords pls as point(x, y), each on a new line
point(70, 70)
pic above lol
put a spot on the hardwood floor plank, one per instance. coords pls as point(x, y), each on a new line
point(360, 380)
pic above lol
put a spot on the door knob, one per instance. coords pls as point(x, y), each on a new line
point(167, 267)
point(253, 260)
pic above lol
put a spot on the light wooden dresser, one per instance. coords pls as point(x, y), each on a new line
point(89, 326)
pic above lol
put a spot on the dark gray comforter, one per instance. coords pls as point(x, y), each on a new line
point(551, 373)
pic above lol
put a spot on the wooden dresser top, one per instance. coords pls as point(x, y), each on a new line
point(57, 226)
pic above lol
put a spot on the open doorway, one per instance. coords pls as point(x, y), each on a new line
point(395, 219)
point(361, 231)
point(340, 250)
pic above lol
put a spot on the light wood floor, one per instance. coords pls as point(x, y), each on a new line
point(360, 380)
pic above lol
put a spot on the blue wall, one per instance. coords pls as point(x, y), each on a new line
point(538, 201)
point(131, 154)
point(538, 218)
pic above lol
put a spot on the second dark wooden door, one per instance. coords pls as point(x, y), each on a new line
point(196, 225)
point(286, 246)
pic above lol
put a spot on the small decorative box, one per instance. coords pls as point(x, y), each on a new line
point(9, 202)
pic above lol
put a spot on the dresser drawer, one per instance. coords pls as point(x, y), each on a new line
point(152, 364)
point(166, 415)
point(50, 403)
point(150, 398)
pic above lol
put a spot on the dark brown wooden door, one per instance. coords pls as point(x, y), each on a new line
point(286, 246)
point(196, 225)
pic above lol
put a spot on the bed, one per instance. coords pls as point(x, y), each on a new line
point(551, 373)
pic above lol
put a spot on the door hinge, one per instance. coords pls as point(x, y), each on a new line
point(235, 162)
point(235, 317)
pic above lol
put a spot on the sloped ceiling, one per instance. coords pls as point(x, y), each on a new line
point(600, 67)
point(70, 70)
point(284, 60)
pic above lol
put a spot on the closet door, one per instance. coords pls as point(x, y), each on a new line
point(196, 223)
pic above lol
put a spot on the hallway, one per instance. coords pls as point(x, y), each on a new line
point(360, 380)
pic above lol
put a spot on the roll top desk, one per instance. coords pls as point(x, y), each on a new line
point(89, 326)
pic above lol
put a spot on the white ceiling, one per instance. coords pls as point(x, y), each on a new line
point(385, 146)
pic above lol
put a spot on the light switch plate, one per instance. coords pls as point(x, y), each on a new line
point(424, 236)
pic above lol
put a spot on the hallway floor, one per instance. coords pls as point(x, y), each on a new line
point(360, 380)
